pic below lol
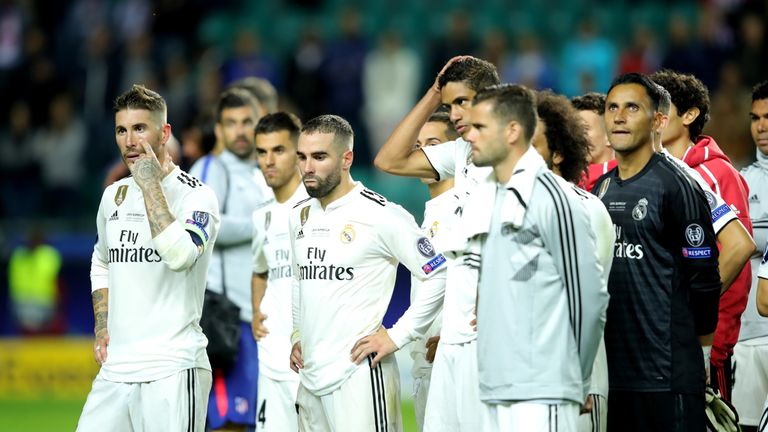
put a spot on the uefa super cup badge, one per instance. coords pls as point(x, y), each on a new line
point(347, 234)
point(640, 210)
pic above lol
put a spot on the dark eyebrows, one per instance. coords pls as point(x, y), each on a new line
point(459, 100)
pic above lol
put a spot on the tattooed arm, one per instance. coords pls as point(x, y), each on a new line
point(179, 245)
point(100, 311)
point(148, 174)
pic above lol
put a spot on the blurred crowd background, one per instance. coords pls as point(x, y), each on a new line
point(63, 62)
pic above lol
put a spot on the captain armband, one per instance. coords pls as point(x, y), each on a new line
point(176, 248)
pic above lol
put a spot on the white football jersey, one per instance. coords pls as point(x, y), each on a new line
point(154, 312)
point(345, 262)
point(272, 254)
point(438, 215)
point(720, 211)
point(453, 160)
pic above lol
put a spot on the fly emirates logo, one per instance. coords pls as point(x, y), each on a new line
point(316, 269)
point(129, 254)
point(626, 250)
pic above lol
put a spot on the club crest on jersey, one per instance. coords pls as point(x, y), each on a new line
point(120, 194)
point(267, 220)
point(425, 247)
point(694, 234)
point(201, 218)
point(603, 188)
point(347, 234)
point(711, 200)
point(640, 210)
point(304, 215)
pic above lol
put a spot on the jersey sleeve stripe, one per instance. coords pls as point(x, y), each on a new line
point(568, 252)
point(684, 183)
point(712, 177)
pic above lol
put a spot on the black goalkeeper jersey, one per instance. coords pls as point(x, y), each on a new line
point(664, 283)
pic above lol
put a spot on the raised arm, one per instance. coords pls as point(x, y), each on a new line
point(178, 247)
point(398, 155)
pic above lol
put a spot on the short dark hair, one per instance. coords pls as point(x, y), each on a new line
point(140, 97)
point(472, 71)
point(760, 91)
point(235, 97)
point(262, 90)
point(687, 92)
point(591, 101)
point(665, 103)
point(331, 124)
point(512, 102)
point(445, 119)
point(565, 133)
point(635, 78)
point(278, 122)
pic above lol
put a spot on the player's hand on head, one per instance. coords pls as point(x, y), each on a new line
point(100, 346)
point(297, 362)
point(257, 325)
point(379, 343)
point(436, 85)
point(432, 348)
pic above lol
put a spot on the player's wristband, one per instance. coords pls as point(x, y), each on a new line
point(295, 337)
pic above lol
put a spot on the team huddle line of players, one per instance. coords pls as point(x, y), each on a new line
point(572, 253)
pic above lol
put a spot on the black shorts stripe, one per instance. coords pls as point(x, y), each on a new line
point(763, 421)
point(189, 401)
point(596, 413)
point(383, 397)
point(194, 397)
point(373, 397)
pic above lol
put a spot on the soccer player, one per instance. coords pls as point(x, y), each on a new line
point(591, 107)
point(156, 231)
point(276, 144)
point(240, 189)
point(438, 215)
point(750, 387)
point(346, 241)
point(664, 283)
point(454, 404)
point(562, 140)
point(540, 280)
point(689, 113)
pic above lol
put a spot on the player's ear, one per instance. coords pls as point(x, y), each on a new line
point(691, 115)
point(557, 159)
point(166, 133)
point(513, 132)
point(346, 159)
point(659, 122)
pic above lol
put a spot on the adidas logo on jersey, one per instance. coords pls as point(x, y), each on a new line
point(754, 199)
point(114, 216)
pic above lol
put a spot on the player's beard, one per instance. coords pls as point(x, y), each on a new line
point(324, 186)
